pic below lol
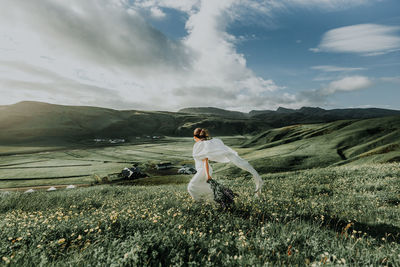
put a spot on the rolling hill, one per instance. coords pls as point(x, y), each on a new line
point(285, 116)
point(327, 144)
point(216, 112)
point(42, 122)
point(37, 122)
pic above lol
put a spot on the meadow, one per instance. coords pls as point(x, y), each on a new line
point(331, 196)
point(83, 165)
point(344, 215)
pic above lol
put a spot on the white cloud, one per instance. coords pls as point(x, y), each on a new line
point(350, 83)
point(329, 4)
point(330, 68)
point(105, 53)
point(123, 57)
point(364, 39)
point(157, 12)
point(322, 95)
point(187, 6)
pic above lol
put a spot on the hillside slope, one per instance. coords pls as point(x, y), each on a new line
point(36, 122)
point(41, 122)
point(305, 115)
point(319, 145)
point(216, 112)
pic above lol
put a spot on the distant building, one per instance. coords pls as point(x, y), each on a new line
point(111, 141)
point(132, 173)
point(164, 165)
point(187, 170)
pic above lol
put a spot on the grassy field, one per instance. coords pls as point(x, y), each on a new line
point(332, 196)
point(321, 145)
point(59, 166)
point(346, 215)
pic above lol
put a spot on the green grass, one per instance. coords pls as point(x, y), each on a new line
point(320, 145)
point(346, 215)
point(79, 165)
point(343, 215)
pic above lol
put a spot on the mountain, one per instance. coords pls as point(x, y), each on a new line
point(30, 121)
point(305, 115)
point(215, 111)
point(285, 116)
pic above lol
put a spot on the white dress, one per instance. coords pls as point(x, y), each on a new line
point(215, 150)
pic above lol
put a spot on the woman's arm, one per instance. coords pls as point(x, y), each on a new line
point(207, 168)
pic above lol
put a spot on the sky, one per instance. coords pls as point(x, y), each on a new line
point(170, 54)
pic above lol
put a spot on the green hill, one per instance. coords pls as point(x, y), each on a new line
point(41, 122)
point(216, 111)
point(320, 145)
point(305, 115)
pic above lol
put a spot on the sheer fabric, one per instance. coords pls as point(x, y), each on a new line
point(215, 150)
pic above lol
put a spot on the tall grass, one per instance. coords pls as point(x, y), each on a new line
point(337, 215)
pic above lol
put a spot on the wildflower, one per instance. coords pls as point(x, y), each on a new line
point(6, 260)
point(60, 241)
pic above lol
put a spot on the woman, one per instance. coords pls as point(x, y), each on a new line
point(205, 149)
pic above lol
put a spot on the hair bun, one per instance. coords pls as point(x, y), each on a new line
point(204, 134)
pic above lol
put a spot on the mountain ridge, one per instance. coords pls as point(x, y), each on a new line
point(31, 121)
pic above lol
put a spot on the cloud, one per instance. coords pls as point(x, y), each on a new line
point(59, 50)
point(350, 83)
point(32, 82)
point(106, 53)
point(363, 39)
point(330, 68)
point(395, 79)
point(321, 96)
point(329, 4)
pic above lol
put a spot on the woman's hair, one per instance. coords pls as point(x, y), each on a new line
point(202, 133)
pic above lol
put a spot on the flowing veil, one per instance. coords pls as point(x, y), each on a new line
point(215, 150)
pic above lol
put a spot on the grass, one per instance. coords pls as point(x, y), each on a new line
point(321, 145)
point(346, 215)
point(79, 165)
point(340, 215)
